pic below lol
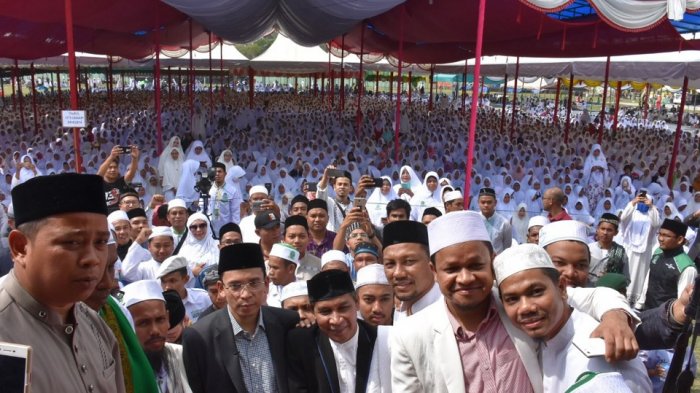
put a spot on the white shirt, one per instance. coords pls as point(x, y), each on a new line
point(429, 298)
point(132, 262)
point(500, 232)
point(273, 295)
point(197, 300)
point(345, 355)
point(562, 362)
point(248, 230)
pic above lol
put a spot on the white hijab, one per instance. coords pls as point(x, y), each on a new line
point(197, 252)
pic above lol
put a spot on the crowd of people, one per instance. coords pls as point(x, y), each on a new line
point(281, 248)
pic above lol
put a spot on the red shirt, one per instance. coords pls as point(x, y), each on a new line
point(562, 216)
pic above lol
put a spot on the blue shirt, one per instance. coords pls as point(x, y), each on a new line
point(254, 357)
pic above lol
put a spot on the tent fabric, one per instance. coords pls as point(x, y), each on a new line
point(307, 22)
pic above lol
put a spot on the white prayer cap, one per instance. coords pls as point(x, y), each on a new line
point(140, 291)
point(333, 255)
point(177, 202)
point(518, 258)
point(455, 228)
point(294, 289)
point(236, 172)
point(117, 215)
point(286, 252)
point(258, 190)
point(563, 230)
point(161, 231)
point(537, 221)
point(171, 264)
point(371, 274)
point(453, 196)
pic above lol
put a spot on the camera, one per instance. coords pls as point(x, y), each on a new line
point(204, 184)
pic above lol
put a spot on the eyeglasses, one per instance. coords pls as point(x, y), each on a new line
point(356, 235)
point(195, 227)
point(252, 286)
point(127, 202)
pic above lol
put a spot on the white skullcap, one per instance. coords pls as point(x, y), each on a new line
point(140, 291)
point(171, 264)
point(371, 274)
point(537, 221)
point(453, 196)
point(161, 231)
point(333, 255)
point(258, 190)
point(518, 258)
point(563, 230)
point(286, 252)
point(236, 172)
point(177, 202)
point(455, 228)
point(294, 289)
point(117, 215)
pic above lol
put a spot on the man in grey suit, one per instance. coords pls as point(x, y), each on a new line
point(240, 348)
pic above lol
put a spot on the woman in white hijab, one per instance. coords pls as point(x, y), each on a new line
point(506, 206)
point(170, 167)
point(26, 169)
point(624, 192)
point(671, 212)
point(200, 248)
point(519, 222)
point(595, 174)
point(262, 177)
point(196, 152)
point(226, 158)
point(377, 201)
point(410, 185)
point(431, 197)
point(188, 179)
point(605, 205)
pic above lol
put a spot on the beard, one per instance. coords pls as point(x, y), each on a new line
point(155, 358)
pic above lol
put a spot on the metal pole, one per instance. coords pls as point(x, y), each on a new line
point(503, 104)
point(555, 116)
point(397, 127)
point(677, 140)
point(342, 78)
point(605, 96)
point(156, 81)
point(568, 108)
point(36, 119)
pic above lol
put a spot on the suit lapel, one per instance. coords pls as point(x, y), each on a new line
point(275, 339)
point(365, 346)
point(446, 348)
point(327, 362)
point(227, 351)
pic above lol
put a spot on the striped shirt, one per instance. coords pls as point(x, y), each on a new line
point(255, 357)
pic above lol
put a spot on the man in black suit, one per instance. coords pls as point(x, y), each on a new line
point(334, 356)
point(240, 348)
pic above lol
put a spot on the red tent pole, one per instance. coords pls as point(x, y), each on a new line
point(410, 86)
point(376, 82)
point(123, 75)
point(475, 97)
point(503, 104)
point(323, 88)
point(568, 108)
point(156, 81)
point(109, 81)
point(179, 83)
point(332, 92)
point(20, 95)
point(481, 92)
point(515, 96)
point(36, 119)
point(391, 85)
point(72, 80)
point(211, 82)
point(555, 116)
point(330, 80)
point(59, 98)
point(2, 88)
point(190, 79)
point(397, 126)
point(677, 140)
point(430, 98)
point(315, 85)
point(360, 83)
point(342, 77)
point(464, 87)
point(87, 86)
point(617, 105)
point(601, 128)
point(13, 80)
point(251, 87)
point(221, 68)
point(170, 86)
point(645, 105)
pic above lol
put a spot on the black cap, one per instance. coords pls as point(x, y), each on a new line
point(405, 231)
point(674, 226)
point(329, 284)
point(175, 307)
point(432, 211)
point(296, 220)
point(44, 196)
point(266, 219)
point(241, 256)
point(138, 212)
point(487, 191)
point(318, 204)
point(610, 219)
point(230, 227)
point(300, 198)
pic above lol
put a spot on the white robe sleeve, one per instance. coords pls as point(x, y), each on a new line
point(597, 301)
point(132, 260)
point(686, 278)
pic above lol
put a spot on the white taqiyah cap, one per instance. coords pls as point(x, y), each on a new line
point(258, 190)
point(161, 231)
point(333, 255)
point(453, 196)
point(286, 252)
point(294, 289)
point(177, 202)
point(563, 230)
point(140, 291)
point(371, 274)
point(455, 228)
point(537, 221)
point(171, 264)
point(117, 215)
point(518, 258)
